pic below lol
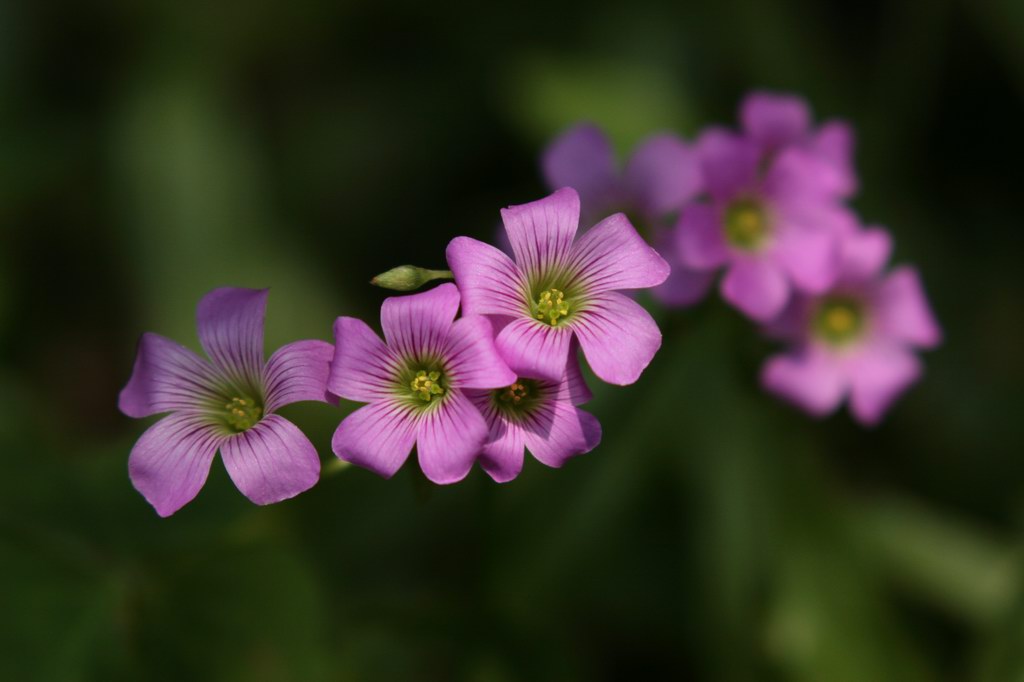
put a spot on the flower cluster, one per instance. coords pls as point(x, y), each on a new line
point(766, 208)
point(485, 386)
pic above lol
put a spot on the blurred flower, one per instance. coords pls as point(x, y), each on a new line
point(660, 177)
point(557, 289)
point(226, 403)
point(856, 339)
point(775, 205)
point(536, 414)
point(415, 385)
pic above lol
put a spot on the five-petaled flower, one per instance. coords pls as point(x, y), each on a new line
point(415, 385)
point(540, 415)
point(858, 338)
point(775, 208)
point(228, 403)
point(660, 177)
point(557, 289)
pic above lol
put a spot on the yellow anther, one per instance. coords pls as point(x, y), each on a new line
point(552, 305)
point(426, 385)
point(514, 393)
point(746, 224)
point(242, 414)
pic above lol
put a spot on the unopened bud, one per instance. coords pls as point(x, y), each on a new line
point(408, 277)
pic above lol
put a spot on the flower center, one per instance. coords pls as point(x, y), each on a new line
point(839, 320)
point(518, 399)
point(550, 306)
point(242, 413)
point(746, 224)
point(513, 394)
point(425, 385)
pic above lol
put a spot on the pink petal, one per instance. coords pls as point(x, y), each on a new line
point(612, 255)
point(418, 324)
point(534, 349)
point(809, 255)
point(775, 120)
point(171, 460)
point(572, 387)
point(684, 287)
point(903, 310)
point(561, 431)
point(230, 323)
point(449, 438)
point(490, 283)
point(756, 287)
point(297, 371)
point(877, 377)
point(864, 253)
point(619, 338)
point(582, 158)
point(378, 437)
point(833, 142)
point(729, 163)
point(798, 175)
point(502, 453)
point(662, 175)
point(809, 378)
point(363, 369)
point(700, 241)
point(272, 461)
point(167, 376)
point(473, 359)
point(542, 231)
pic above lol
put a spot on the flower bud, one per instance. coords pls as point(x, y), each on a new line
point(408, 277)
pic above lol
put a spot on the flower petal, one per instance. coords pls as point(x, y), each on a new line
point(798, 175)
point(561, 431)
point(700, 240)
point(684, 286)
point(230, 322)
point(756, 287)
point(619, 338)
point(272, 461)
point(809, 255)
point(729, 163)
point(582, 158)
point(490, 283)
point(662, 175)
point(171, 460)
point(297, 371)
point(473, 359)
point(864, 253)
point(878, 376)
point(903, 309)
point(418, 324)
point(808, 378)
point(833, 142)
point(502, 453)
point(378, 437)
point(612, 255)
point(541, 232)
point(363, 368)
point(572, 387)
point(167, 376)
point(775, 120)
point(449, 438)
point(534, 349)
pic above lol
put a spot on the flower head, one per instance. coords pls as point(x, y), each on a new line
point(415, 385)
point(537, 414)
point(226, 403)
point(660, 177)
point(558, 288)
point(774, 209)
point(857, 339)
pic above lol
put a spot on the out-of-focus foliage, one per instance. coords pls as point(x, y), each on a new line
point(152, 151)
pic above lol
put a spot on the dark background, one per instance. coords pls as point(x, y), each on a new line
point(150, 151)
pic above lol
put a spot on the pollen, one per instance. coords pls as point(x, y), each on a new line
point(746, 224)
point(839, 320)
point(242, 413)
point(425, 385)
point(514, 394)
point(551, 305)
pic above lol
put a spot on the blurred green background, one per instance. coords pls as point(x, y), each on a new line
point(150, 151)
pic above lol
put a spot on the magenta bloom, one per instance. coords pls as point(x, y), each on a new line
point(415, 385)
point(858, 339)
point(225, 403)
point(660, 177)
point(774, 211)
point(558, 289)
point(536, 414)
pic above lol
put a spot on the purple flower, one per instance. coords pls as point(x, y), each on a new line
point(225, 403)
point(858, 338)
point(557, 289)
point(660, 177)
point(536, 414)
point(415, 385)
point(774, 210)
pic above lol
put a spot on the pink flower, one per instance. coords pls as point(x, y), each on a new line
point(856, 340)
point(559, 288)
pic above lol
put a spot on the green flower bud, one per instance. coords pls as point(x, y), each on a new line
point(408, 277)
